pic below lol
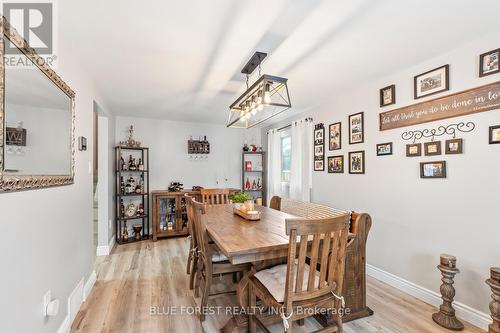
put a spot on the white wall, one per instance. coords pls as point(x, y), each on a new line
point(48, 232)
point(169, 160)
point(415, 220)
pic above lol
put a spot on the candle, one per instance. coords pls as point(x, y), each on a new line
point(448, 261)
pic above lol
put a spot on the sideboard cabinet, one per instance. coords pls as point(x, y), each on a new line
point(170, 213)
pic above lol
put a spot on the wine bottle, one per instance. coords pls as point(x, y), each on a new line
point(247, 184)
point(122, 185)
point(122, 163)
point(141, 165)
point(122, 208)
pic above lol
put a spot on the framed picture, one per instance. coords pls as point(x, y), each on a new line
point(414, 149)
point(319, 135)
point(384, 149)
point(432, 148)
point(319, 165)
point(433, 169)
point(494, 134)
point(318, 152)
point(488, 63)
point(432, 82)
point(454, 146)
point(336, 164)
point(357, 162)
point(388, 95)
point(335, 136)
point(356, 128)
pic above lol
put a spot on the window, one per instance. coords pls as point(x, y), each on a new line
point(286, 157)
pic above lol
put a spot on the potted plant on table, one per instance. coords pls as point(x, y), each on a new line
point(239, 199)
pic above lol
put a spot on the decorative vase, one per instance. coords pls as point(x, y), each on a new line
point(137, 231)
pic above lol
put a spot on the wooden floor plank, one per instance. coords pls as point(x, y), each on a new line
point(138, 276)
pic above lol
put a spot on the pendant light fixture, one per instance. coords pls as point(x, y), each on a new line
point(266, 98)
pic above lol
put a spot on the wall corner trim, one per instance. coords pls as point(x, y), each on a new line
point(105, 250)
point(465, 312)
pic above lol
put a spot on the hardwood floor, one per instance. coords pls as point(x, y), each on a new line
point(138, 276)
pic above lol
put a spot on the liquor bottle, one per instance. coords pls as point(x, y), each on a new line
point(259, 185)
point(141, 165)
point(122, 208)
point(140, 212)
point(247, 184)
point(131, 163)
point(122, 163)
point(122, 185)
point(254, 185)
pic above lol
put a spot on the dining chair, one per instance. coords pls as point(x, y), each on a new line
point(209, 261)
point(215, 196)
point(296, 290)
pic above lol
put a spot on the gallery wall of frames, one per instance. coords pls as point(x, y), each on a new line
point(440, 141)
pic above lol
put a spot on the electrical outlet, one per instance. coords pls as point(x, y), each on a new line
point(46, 300)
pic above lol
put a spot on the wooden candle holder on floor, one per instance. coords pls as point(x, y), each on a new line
point(446, 315)
point(494, 283)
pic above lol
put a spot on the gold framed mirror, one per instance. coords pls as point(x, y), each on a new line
point(37, 119)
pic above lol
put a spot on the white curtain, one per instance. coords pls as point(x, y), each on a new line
point(274, 163)
point(301, 164)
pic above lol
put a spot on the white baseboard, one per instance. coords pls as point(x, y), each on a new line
point(105, 250)
point(88, 285)
point(465, 312)
point(75, 300)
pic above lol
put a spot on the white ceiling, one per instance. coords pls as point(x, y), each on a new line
point(182, 59)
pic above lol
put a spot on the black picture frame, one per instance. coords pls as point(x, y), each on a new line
point(408, 150)
point(319, 141)
point(459, 150)
point(442, 174)
point(432, 143)
point(331, 170)
point(362, 124)
point(351, 171)
point(386, 153)
point(392, 89)
point(446, 85)
point(319, 165)
point(482, 73)
point(339, 124)
point(492, 139)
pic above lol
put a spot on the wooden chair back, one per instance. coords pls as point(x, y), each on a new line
point(328, 248)
point(197, 210)
point(215, 196)
point(189, 211)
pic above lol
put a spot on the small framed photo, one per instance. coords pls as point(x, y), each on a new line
point(433, 169)
point(336, 164)
point(356, 128)
point(432, 82)
point(488, 63)
point(414, 150)
point(335, 136)
point(384, 149)
point(432, 148)
point(494, 134)
point(319, 135)
point(454, 146)
point(318, 152)
point(388, 95)
point(319, 165)
point(357, 162)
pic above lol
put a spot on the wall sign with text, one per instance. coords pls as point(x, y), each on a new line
point(480, 99)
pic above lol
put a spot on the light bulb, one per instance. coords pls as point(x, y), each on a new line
point(254, 111)
point(267, 94)
point(260, 107)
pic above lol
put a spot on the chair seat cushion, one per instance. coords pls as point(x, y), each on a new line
point(274, 280)
point(218, 257)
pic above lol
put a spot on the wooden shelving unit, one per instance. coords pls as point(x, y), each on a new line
point(254, 171)
point(123, 221)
